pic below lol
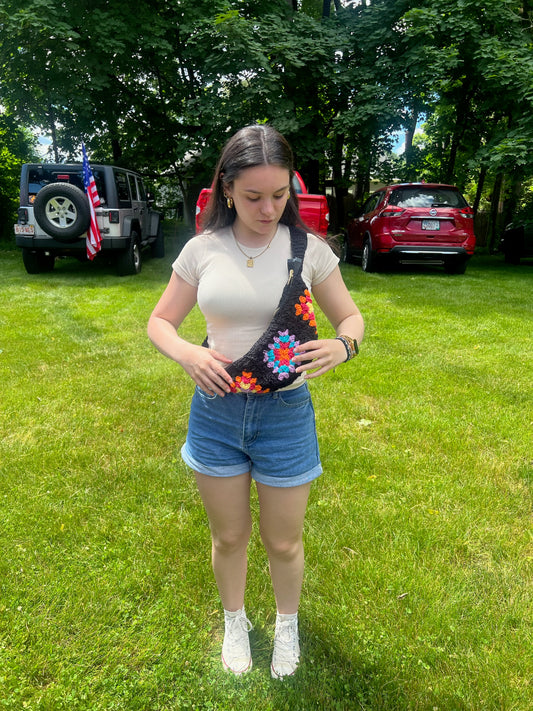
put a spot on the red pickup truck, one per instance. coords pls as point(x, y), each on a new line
point(313, 208)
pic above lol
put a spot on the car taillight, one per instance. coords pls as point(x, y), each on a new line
point(202, 201)
point(23, 216)
point(114, 217)
point(392, 211)
point(467, 212)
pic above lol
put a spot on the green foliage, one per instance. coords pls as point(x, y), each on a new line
point(161, 88)
point(16, 147)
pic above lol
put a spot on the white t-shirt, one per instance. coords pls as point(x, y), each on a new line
point(237, 301)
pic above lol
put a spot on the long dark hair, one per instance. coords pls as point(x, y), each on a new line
point(250, 147)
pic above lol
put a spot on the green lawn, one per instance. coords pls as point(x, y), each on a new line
point(419, 538)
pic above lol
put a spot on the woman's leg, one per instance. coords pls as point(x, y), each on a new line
point(227, 504)
point(282, 513)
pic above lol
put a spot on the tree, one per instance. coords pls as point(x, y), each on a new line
point(17, 146)
point(479, 62)
point(160, 89)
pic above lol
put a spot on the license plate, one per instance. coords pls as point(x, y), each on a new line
point(24, 229)
point(430, 225)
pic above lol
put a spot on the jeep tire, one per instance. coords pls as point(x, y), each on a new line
point(129, 261)
point(62, 211)
point(37, 262)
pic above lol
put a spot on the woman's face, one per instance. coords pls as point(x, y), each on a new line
point(259, 196)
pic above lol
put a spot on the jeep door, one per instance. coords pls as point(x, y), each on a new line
point(138, 204)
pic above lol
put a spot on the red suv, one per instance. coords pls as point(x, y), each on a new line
point(415, 222)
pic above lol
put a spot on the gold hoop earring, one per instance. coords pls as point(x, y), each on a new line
point(229, 201)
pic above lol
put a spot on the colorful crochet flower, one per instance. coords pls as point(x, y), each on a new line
point(244, 383)
point(280, 354)
point(305, 308)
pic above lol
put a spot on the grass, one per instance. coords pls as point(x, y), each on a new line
point(419, 534)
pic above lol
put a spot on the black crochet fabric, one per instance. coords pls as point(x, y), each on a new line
point(268, 365)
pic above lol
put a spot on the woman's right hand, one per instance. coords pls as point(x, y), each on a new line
point(206, 368)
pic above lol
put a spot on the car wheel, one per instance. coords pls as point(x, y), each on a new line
point(130, 261)
point(368, 260)
point(455, 266)
point(37, 262)
point(158, 247)
point(62, 211)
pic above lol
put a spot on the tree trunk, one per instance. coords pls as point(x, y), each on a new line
point(494, 211)
point(311, 174)
point(458, 132)
point(512, 196)
point(53, 132)
point(479, 191)
point(338, 217)
point(409, 136)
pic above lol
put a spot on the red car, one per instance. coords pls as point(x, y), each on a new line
point(413, 222)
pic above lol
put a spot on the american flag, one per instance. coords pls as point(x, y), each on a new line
point(94, 241)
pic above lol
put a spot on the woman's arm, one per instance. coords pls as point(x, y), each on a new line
point(335, 301)
point(204, 366)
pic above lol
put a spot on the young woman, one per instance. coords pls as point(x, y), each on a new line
point(236, 271)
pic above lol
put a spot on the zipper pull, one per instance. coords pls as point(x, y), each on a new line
point(291, 274)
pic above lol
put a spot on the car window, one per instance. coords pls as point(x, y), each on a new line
point(421, 196)
point(133, 187)
point(45, 174)
point(372, 202)
point(141, 190)
point(123, 193)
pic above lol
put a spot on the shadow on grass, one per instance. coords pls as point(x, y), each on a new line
point(494, 263)
point(327, 679)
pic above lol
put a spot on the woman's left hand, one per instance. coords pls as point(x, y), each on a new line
point(319, 356)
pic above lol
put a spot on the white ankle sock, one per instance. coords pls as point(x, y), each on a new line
point(286, 618)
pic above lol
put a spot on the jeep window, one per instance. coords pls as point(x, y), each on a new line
point(426, 197)
point(133, 187)
point(123, 193)
point(46, 174)
point(142, 191)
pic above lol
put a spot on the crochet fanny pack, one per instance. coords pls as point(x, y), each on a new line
point(269, 365)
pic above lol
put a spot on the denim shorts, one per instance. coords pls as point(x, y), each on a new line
point(270, 435)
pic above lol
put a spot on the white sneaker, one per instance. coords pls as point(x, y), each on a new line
point(286, 655)
point(236, 655)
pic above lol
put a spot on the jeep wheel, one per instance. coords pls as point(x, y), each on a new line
point(368, 260)
point(37, 262)
point(130, 262)
point(62, 211)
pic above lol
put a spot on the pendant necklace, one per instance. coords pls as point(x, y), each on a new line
point(249, 259)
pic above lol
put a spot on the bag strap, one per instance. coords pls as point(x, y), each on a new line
point(298, 242)
point(298, 247)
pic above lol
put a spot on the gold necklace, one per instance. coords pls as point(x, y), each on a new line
point(249, 259)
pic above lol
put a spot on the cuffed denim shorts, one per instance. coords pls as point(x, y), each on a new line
point(270, 435)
